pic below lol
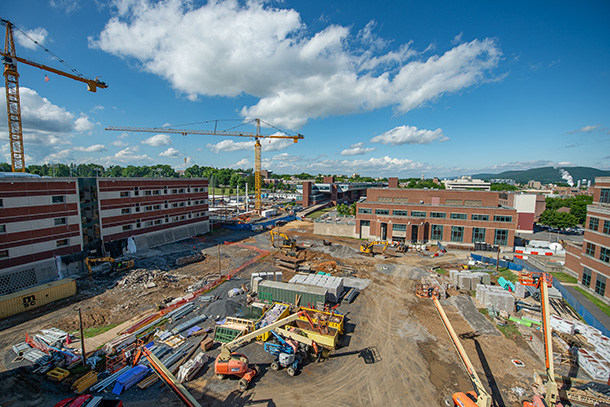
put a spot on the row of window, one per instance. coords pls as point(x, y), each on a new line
point(604, 253)
point(604, 196)
point(58, 243)
point(594, 225)
point(166, 205)
point(436, 215)
point(165, 190)
point(155, 222)
point(600, 281)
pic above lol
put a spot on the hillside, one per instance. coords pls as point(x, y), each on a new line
point(547, 174)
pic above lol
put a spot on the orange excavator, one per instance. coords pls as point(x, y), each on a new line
point(542, 281)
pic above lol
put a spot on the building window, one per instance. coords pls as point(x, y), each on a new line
point(148, 223)
point(157, 221)
point(59, 221)
point(590, 249)
point(457, 233)
point(138, 223)
point(165, 189)
point(436, 232)
point(62, 242)
point(502, 218)
point(166, 205)
point(604, 196)
point(586, 277)
point(479, 217)
point(593, 224)
point(600, 285)
point(606, 228)
point(156, 192)
point(126, 227)
point(174, 191)
point(58, 199)
point(462, 216)
point(125, 211)
point(1, 203)
point(400, 213)
point(440, 215)
point(148, 192)
point(137, 207)
point(400, 228)
point(148, 208)
point(418, 214)
point(604, 255)
point(382, 211)
point(136, 191)
point(365, 223)
point(478, 235)
point(2, 228)
point(124, 194)
point(501, 237)
point(3, 253)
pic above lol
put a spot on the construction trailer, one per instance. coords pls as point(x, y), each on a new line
point(34, 297)
point(296, 294)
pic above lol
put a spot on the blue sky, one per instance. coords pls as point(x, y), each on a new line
point(438, 88)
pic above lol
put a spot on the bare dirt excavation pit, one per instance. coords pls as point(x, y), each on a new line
point(395, 350)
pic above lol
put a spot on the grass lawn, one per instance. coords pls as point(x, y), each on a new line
point(600, 304)
point(565, 278)
point(91, 332)
point(507, 274)
point(319, 213)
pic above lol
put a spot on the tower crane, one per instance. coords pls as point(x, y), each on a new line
point(257, 145)
point(13, 103)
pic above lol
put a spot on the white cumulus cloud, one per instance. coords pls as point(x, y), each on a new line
point(170, 153)
point(96, 148)
point(231, 48)
point(357, 149)
point(158, 140)
point(27, 40)
point(243, 163)
point(409, 135)
point(266, 145)
point(83, 124)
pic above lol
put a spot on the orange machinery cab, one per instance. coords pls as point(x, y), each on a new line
point(461, 399)
point(236, 366)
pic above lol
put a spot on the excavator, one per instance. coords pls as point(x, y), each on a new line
point(367, 249)
point(283, 241)
point(116, 264)
point(542, 281)
point(479, 397)
point(230, 363)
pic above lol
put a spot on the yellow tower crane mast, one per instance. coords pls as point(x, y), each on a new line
point(13, 103)
point(257, 145)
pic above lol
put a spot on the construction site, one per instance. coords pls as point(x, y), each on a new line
point(290, 318)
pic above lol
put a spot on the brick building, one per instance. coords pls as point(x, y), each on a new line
point(337, 192)
point(448, 216)
point(48, 225)
point(591, 261)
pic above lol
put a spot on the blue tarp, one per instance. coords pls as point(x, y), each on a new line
point(129, 378)
point(503, 263)
point(265, 224)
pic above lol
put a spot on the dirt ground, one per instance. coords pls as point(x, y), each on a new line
point(395, 351)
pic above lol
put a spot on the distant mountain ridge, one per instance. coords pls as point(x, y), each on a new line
point(547, 175)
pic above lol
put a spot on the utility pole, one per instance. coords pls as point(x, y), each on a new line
point(219, 270)
point(82, 338)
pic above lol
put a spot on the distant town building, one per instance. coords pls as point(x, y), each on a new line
point(534, 184)
point(49, 225)
point(503, 181)
point(467, 183)
point(337, 192)
point(592, 261)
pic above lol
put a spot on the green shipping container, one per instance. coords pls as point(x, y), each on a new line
point(34, 297)
point(276, 291)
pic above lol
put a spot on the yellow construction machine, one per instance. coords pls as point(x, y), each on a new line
point(282, 241)
point(367, 249)
point(116, 264)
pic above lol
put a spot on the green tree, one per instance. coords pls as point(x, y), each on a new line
point(503, 187)
point(6, 167)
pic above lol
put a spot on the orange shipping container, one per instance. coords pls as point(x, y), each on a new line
point(34, 297)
